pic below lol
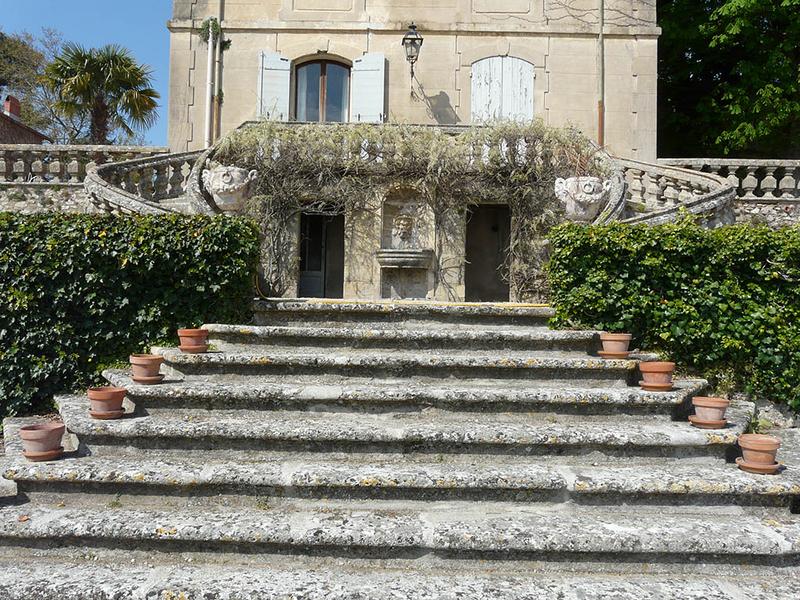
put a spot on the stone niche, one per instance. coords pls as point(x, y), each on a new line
point(406, 256)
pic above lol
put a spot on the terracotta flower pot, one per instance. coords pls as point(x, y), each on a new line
point(615, 342)
point(710, 409)
point(656, 375)
point(41, 439)
point(106, 402)
point(759, 449)
point(146, 368)
point(193, 341)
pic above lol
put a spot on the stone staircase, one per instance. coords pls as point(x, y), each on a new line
point(404, 450)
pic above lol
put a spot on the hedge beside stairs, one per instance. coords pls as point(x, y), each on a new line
point(81, 292)
point(722, 302)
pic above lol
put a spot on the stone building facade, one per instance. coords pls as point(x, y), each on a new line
point(480, 60)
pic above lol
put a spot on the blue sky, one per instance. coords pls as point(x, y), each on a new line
point(138, 25)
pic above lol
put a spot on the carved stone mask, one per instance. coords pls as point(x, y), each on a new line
point(229, 186)
point(583, 197)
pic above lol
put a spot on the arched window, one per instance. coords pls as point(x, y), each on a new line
point(502, 89)
point(322, 91)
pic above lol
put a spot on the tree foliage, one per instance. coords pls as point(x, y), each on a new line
point(107, 86)
point(729, 78)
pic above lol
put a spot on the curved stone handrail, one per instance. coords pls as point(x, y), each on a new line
point(149, 185)
point(656, 194)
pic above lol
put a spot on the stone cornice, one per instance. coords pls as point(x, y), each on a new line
point(525, 29)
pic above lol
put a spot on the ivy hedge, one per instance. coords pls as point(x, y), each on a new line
point(723, 302)
point(81, 292)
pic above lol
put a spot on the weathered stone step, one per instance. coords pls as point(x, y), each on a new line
point(57, 579)
point(237, 337)
point(313, 392)
point(458, 530)
point(53, 579)
point(156, 480)
point(547, 368)
point(332, 312)
point(428, 431)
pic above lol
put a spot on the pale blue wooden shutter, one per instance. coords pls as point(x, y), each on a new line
point(487, 89)
point(368, 89)
point(273, 86)
point(517, 89)
point(502, 88)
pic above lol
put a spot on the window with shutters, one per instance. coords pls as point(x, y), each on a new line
point(502, 89)
point(322, 91)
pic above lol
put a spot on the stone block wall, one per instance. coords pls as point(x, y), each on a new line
point(43, 197)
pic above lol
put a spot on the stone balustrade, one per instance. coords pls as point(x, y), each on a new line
point(49, 178)
point(767, 191)
point(655, 193)
point(31, 163)
point(151, 184)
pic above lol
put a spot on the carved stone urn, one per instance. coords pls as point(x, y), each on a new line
point(229, 186)
point(583, 197)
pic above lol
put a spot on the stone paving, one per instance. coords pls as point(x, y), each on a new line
point(409, 450)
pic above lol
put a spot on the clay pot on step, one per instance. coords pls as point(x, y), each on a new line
point(759, 449)
point(146, 368)
point(710, 409)
point(42, 441)
point(615, 345)
point(615, 342)
point(193, 341)
point(656, 375)
point(106, 402)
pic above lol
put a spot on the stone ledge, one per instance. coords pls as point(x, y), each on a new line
point(89, 579)
point(552, 368)
point(520, 432)
point(533, 337)
point(327, 476)
point(315, 390)
point(446, 528)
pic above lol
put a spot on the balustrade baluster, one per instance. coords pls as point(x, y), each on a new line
point(176, 179)
point(145, 183)
point(161, 185)
point(769, 184)
point(749, 181)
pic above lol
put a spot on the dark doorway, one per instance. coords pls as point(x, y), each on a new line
point(488, 231)
point(321, 256)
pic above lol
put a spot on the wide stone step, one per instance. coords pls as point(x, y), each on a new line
point(312, 392)
point(54, 579)
point(428, 431)
point(458, 530)
point(317, 312)
point(378, 478)
point(238, 337)
point(546, 368)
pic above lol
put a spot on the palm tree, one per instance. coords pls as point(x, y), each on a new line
point(108, 85)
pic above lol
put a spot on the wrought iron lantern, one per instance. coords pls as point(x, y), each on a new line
point(412, 44)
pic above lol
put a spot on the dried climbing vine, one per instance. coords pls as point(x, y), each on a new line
point(338, 168)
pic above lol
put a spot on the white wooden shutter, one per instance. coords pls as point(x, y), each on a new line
point(517, 89)
point(502, 88)
point(273, 86)
point(487, 89)
point(368, 89)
